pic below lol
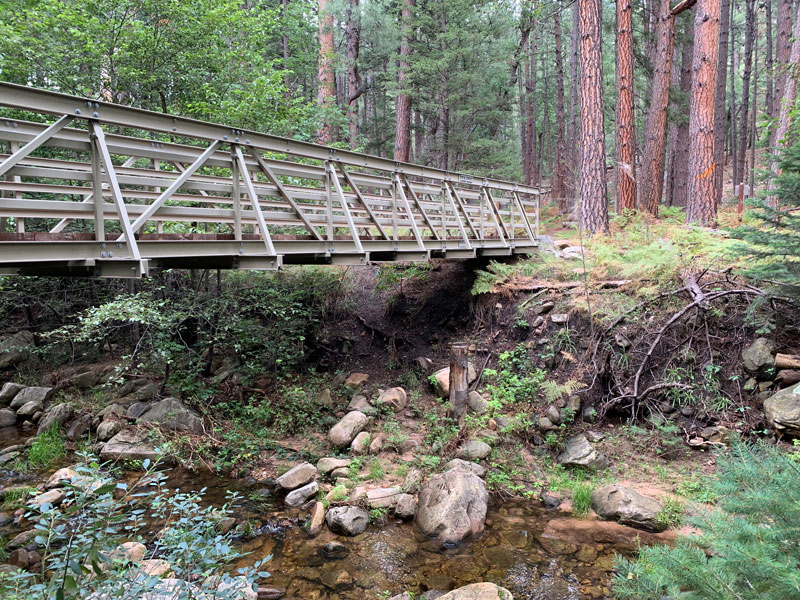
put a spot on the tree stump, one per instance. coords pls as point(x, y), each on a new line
point(459, 383)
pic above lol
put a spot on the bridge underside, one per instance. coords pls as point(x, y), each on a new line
point(112, 191)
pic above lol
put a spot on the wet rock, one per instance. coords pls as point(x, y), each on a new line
point(19, 558)
point(356, 380)
point(22, 539)
point(108, 429)
point(452, 506)
point(297, 497)
point(395, 398)
point(8, 418)
point(550, 501)
point(360, 445)
point(172, 414)
point(474, 450)
point(297, 476)
point(328, 464)
point(347, 520)
point(79, 427)
point(360, 403)
point(758, 358)
point(477, 404)
point(628, 507)
point(332, 576)
point(479, 591)
point(31, 394)
point(333, 550)
point(57, 416)
point(129, 444)
point(14, 348)
point(383, 497)
point(472, 467)
point(348, 428)
point(579, 452)
point(270, 593)
point(6, 456)
point(317, 519)
point(443, 379)
point(783, 410)
point(405, 507)
point(8, 391)
point(29, 409)
point(53, 498)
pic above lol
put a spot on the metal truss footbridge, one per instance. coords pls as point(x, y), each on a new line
point(91, 188)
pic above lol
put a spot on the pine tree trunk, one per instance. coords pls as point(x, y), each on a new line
point(700, 205)
point(626, 135)
point(719, 109)
point(354, 86)
point(419, 137)
point(732, 111)
point(783, 50)
point(530, 128)
point(402, 138)
point(652, 177)
point(789, 87)
point(326, 94)
point(573, 125)
point(593, 192)
point(287, 80)
point(559, 182)
point(769, 96)
point(680, 144)
point(744, 121)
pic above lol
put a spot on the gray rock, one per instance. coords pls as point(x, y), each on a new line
point(360, 403)
point(137, 409)
point(579, 453)
point(8, 417)
point(395, 398)
point(129, 444)
point(360, 445)
point(317, 519)
point(347, 520)
point(553, 414)
point(84, 381)
point(29, 409)
point(79, 427)
point(452, 506)
point(8, 391)
point(543, 308)
point(412, 481)
point(170, 413)
point(348, 428)
point(297, 476)
point(546, 424)
point(56, 416)
point(474, 450)
point(30, 394)
point(758, 358)
point(472, 467)
point(403, 596)
point(559, 318)
point(783, 410)
point(108, 429)
point(432, 595)
point(477, 404)
point(333, 550)
point(479, 591)
point(383, 497)
point(328, 464)
point(14, 348)
point(300, 495)
point(405, 507)
point(629, 507)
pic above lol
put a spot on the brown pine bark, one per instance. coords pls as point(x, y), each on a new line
point(652, 176)
point(744, 121)
point(573, 125)
point(593, 187)
point(326, 93)
point(783, 50)
point(700, 205)
point(769, 95)
point(680, 143)
point(626, 135)
point(719, 108)
point(531, 163)
point(355, 87)
point(402, 138)
point(789, 87)
point(560, 175)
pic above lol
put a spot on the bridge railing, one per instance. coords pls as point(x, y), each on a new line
point(112, 190)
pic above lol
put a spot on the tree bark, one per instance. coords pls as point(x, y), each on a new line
point(326, 94)
point(789, 87)
point(559, 182)
point(459, 381)
point(680, 143)
point(402, 138)
point(593, 187)
point(652, 177)
point(744, 121)
point(719, 108)
point(531, 164)
point(783, 51)
point(573, 125)
point(355, 87)
point(700, 205)
point(626, 135)
point(769, 96)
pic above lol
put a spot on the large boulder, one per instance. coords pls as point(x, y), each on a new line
point(129, 444)
point(30, 394)
point(579, 453)
point(472, 467)
point(474, 450)
point(347, 520)
point(360, 403)
point(8, 417)
point(443, 379)
point(360, 444)
point(108, 429)
point(297, 476)
point(783, 410)
point(759, 357)
point(348, 428)
point(329, 463)
point(396, 398)
point(452, 506)
point(8, 391)
point(171, 413)
point(14, 348)
point(383, 497)
point(29, 409)
point(57, 416)
point(479, 591)
point(300, 495)
point(628, 507)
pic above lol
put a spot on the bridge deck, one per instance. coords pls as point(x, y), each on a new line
point(175, 192)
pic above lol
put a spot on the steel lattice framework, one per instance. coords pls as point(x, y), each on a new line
point(112, 191)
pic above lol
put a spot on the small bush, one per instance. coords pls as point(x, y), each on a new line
point(582, 499)
point(47, 449)
point(672, 513)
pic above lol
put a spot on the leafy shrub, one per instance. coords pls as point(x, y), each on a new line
point(747, 548)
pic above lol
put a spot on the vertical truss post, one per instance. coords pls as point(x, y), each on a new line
point(394, 209)
point(525, 223)
point(444, 213)
point(251, 191)
point(407, 206)
point(343, 201)
point(421, 209)
point(511, 219)
point(97, 193)
point(482, 202)
point(461, 229)
point(157, 167)
point(116, 194)
point(328, 203)
point(14, 146)
point(537, 215)
point(236, 197)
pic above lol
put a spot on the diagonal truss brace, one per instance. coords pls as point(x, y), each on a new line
point(343, 201)
point(415, 198)
point(496, 218)
point(407, 206)
point(116, 194)
point(448, 195)
point(36, 142)
point(460, 203)
point(253, 199)
point(363, 202)
point(525, 221)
